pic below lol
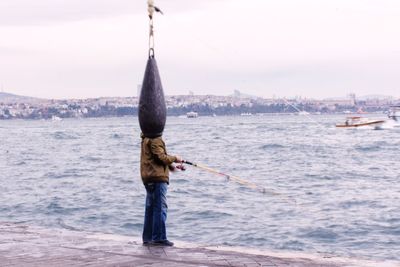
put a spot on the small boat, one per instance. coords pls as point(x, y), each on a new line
point(246, 114)
point(303, 113)
point(192, 114)
point(55, 118)
point(354, 122)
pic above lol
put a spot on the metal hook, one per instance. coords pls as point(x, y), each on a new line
point(151, 53)
point(151, 39)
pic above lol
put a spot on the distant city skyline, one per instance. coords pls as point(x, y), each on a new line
point(286, 48)
point(236, 94)
point(19, 107)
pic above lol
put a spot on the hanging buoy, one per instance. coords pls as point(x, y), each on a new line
point(152, 108)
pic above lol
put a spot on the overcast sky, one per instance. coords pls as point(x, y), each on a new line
point(309, 48)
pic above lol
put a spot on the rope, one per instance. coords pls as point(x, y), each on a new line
point(151, 38)
point(151, 8)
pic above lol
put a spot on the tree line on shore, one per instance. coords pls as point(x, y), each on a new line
point(202, 109)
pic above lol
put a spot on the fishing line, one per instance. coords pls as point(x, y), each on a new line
point(221, 53)
point(301, 111)
point(241, 181)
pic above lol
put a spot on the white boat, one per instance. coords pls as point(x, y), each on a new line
point(355, 122)
point(55, 118)
point(192, 114)
point(246, 114)
point(303, 113)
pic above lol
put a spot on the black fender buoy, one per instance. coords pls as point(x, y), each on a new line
point(152, 108)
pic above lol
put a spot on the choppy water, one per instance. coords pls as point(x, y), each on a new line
point(84, 174)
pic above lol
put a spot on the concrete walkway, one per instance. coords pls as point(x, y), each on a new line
point(33, 246)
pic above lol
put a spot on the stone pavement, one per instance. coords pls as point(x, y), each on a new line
point(28, 246)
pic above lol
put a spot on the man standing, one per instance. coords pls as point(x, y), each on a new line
point(155, 164)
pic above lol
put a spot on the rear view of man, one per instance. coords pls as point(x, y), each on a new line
point(155, 164)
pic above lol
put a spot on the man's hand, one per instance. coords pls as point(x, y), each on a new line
point(178, 159)
point(181, 167)
point(172, 167)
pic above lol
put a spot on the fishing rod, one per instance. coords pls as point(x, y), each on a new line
point(238, 180)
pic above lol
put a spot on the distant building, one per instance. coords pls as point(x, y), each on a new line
point(352, 99)
point(236, 93)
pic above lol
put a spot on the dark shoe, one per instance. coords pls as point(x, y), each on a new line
point(146, 243)
point(164, 243)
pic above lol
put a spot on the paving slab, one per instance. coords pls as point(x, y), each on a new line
point(22, 245)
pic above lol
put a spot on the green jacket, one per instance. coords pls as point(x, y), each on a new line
point(154, 161)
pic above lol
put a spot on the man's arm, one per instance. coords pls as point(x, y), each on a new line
point(158, 149)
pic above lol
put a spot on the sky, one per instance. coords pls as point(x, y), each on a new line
point(267, 48)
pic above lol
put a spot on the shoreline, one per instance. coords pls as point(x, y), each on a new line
point(22, 245)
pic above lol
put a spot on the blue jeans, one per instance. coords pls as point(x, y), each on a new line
point(155, 213)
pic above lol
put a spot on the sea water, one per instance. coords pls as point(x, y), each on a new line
point(329, 190)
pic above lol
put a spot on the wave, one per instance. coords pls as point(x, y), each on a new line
point(63, 136)
point(271, 146)
point(212, 214)
point(376, 146)
point(355, 203)
point(90, 159)
point(321, 234)
point(132, 226)
point(368, 148)
point(117, 136)
point(60, 222)
point(71, 173)
point(55, 208)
